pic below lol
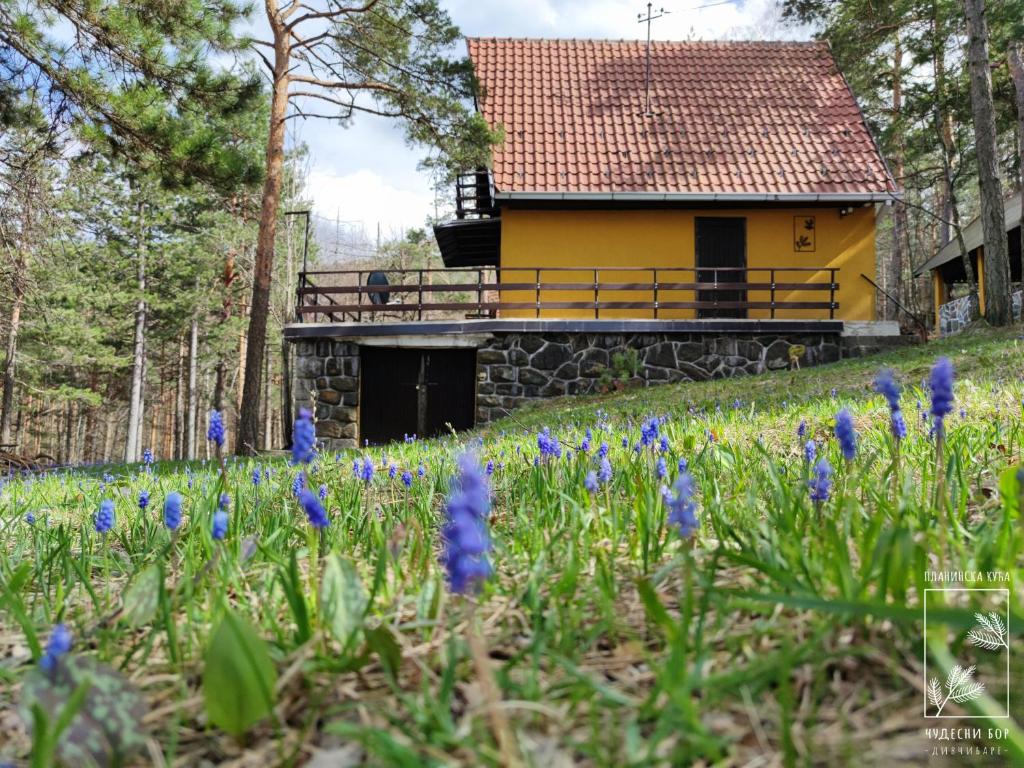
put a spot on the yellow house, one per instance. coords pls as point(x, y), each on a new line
point(735, 180)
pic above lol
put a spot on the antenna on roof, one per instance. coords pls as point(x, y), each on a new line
point(640, 18)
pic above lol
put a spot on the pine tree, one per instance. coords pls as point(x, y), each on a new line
point(331, 59)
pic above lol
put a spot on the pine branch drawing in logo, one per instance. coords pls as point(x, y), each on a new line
point(960, 687)
point(990, 634)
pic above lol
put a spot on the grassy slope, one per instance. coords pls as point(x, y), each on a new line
point(785, 630)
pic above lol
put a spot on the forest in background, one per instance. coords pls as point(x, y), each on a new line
point(136, 216)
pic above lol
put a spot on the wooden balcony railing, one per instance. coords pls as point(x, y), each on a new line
point(435, 294)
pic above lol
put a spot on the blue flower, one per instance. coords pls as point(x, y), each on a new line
point(663, 444)
point(392, 471)
point(662, 468)
point(147, 456)
point(104, 519)
point(899, 426)
point(421, 471)
point(649, 431)
point(220, 525)
point(298, 483)
point(602, 451)
point(604, 472)
point(303, 438)
point(810, 451)
point(886, 386)
point(801, 431)
point(489, 469)
point(322, 493)
point(57, 647)
point(224, 502)
point(314, 510)
point(683, 464)
point(215, 432)
point(366, 471)
point(407, 479)
point(846, 434)
point(143, 499)
point(942, 389)
point(590, 482)
point(820, 483)
point(30, 518)
point(681, 506)
point(256, 475)
point(172, 510)
point(548, 445)
point(464, 533)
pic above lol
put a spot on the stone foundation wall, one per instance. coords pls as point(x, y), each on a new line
point(514, 368)
point(955, 315)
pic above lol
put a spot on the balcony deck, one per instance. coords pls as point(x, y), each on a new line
point(569, 297)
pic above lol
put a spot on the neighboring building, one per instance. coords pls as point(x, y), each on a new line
point(949, 277)
point(732, 221)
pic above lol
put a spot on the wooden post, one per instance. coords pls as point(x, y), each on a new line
point(939, 295)
point(981, 280)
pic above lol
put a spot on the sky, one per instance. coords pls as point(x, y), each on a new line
point(365, 177)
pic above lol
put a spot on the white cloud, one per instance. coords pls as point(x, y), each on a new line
point(368, 197)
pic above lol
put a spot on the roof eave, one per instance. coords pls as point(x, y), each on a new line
point(730, 197)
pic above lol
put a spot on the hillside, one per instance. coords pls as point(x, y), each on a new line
point(769, 629)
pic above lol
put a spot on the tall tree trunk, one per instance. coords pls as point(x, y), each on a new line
point(993, 219)
point(268, 407)
point(193, 393)
point(249, 418)
point(1016, 60)
point(894, 273)
point(11, 349)
point(131, 449)
point(179, 404)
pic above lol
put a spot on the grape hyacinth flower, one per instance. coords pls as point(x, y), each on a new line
point(489, 469)
point(303, 438)
point(604, 472)
point(322, 493)
point(590, 482)
point(682, 506)
point(172, 510)
point(392, 471)
point(220, 525)
point(407, 479)
point(314, 510)
point(649, 431)
point(298, 483)
point(602, 451)
point(147, 457)
point(421, 471)
point(942, 391)
point(366, 471)
point(662, 468)
point(215, 432)
point(846, 434)
point(801, 430)
point(663, 444)
point(820, 483)
point(464, 533)
point(143, 499)
point(810, 452)
point(548, 445)
point(30, 518)
point(57, 647)
point(886, 386)
point(256, 476)
point(104, 519)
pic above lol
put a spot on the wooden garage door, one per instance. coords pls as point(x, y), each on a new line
point(415, 391)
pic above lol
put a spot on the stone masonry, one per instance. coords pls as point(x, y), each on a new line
point(514, 368)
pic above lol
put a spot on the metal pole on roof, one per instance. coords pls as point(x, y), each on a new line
point(647, 80)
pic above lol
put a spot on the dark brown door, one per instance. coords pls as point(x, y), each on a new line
point(415, 392)
point(721, 250)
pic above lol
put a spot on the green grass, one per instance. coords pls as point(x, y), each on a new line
point(781, 630)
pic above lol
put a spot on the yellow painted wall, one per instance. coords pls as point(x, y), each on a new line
point(665, 239)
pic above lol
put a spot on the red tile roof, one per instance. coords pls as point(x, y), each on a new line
point(735, 117)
